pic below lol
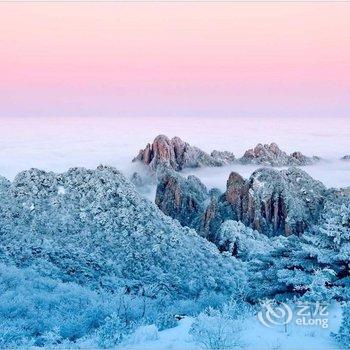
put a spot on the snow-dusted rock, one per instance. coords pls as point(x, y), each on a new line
point(272, 202)
point(223, 157)
point(272, 155)
point(182, 198)
point(346, 157)
point(275, 202)
point(177, 154)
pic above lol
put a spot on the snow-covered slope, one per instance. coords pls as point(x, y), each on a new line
point(254, 336)
point(91, 226)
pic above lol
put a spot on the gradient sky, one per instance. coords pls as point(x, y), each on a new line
point(175, 59)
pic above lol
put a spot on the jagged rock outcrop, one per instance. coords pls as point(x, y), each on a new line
point(177, 154)
point(184, 199)
point(272, 202)
point(272, 155)
point(346, 157)
point(173, 153)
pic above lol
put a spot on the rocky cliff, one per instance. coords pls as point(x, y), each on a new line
point(176, 154)
point(273, 202)
point(184, 199)
point(272, 155)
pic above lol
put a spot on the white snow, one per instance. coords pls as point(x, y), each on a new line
point(172, 339)
point(61, 190)
point(144, 334)
point(254, 337)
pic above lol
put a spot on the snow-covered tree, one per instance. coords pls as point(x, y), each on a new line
point(328, 244)
point(343, 335)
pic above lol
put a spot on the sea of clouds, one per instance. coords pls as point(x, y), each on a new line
point(57, 144)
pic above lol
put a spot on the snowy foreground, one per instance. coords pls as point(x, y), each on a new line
point(253, 336)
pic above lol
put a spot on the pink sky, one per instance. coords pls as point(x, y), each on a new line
point(175, 59)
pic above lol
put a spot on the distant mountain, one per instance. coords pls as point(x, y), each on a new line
point(178, 155)
point(272, 155)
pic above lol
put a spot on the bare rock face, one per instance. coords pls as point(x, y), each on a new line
point(272, 155)
point(177, 154)
point(272, 202)
point(181, 198)
point(161, 151)
point(346, 157)
point(236, 188)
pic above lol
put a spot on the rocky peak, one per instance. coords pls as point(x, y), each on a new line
point(161, 151)
point(182, 198)
point(176, 154)
point(261, 150)
point(276, 202)
point(271, 154)
point(272, 202)
point(236, 188)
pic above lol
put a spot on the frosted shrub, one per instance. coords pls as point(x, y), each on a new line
point(49, 339)
point(35, 307)
point(318, 289)
point(10, 337)
point(166, 320)
point(214, 330)
point(112, 332)
point(343, 335)
point(237, 310)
